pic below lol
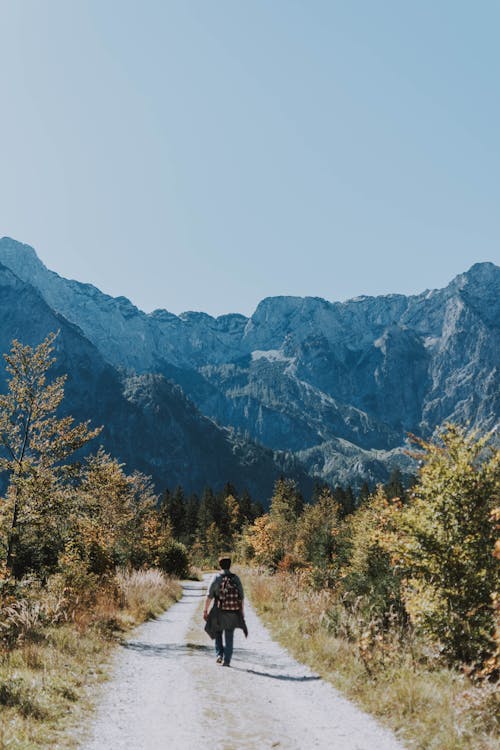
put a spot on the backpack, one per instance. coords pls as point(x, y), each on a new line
point(229, 596)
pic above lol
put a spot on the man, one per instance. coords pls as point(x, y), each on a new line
point(227, 612)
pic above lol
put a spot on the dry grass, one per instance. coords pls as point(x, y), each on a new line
point(146, 593)
point(44, 686)
point(48, 674)
point(429, 706)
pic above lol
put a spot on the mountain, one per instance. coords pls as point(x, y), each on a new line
point(336, 385)
point(148, 423)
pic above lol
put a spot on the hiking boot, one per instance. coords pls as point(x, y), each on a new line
point(219, 660)
point(226, 664)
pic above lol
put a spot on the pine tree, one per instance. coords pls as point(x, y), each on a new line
point(349, 501)
point(245, 503)
point(394, 486)
point(205, 513)
point(364, 493)
point(191, 519)
point(173, 509)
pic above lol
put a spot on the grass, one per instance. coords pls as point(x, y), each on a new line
point(48, 676)
point(429, 706)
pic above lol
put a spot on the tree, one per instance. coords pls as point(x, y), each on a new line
point(206, 515)
point(286, 506)
point(445, 539)
point(173, 509)
point(117, 520)
point(263, 541)
point(232, 520)
point(36, 442)
point(214, 543)
point(246, 509)
point(105, 513)
point(367, 573)
point(191, 520)
point(316, 530)
point(349, 501)
point(394, 486)
point(364, 493)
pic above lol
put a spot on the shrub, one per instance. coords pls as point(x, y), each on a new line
point(173, 559)
point(444, 544)
point(16, 693)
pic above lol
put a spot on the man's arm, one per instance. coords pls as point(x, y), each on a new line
point(209, 597)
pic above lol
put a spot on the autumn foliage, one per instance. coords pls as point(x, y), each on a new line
point(425, 562)
point(61, 513)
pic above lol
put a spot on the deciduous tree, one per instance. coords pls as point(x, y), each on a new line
point(36, 443)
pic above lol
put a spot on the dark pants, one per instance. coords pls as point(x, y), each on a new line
point(224, 650)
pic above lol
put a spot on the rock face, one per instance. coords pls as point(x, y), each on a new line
point(338, 385)
point(149, 424)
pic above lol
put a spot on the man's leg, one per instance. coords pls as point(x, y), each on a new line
point(219, 650)
point(228, 646)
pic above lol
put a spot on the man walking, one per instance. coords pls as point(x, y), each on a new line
point(227, 612)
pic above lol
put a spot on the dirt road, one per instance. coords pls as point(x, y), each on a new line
point(168, 692)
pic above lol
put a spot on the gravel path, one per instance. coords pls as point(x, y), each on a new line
point(168, 692)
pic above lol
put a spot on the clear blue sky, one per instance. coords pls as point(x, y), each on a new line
point(205, 154)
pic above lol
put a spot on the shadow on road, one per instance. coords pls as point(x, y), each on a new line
point(176, 650)
point(287, 677)
point(191, 593)
point(166, 650)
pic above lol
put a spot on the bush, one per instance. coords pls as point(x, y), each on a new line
point(444, 545)
point(16, 693)
point(173, 559)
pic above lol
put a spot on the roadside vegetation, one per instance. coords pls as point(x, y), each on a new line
point(397, 602)
point(84, 556)
point(55, 646)
point(391, 593)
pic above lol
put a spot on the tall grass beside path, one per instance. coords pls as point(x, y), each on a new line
point(398, 680)
point(57, 652)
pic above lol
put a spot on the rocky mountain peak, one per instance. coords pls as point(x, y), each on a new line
point(303, 373)
point(21, 258)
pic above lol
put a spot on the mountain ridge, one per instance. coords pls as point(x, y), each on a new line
point(17, 248)
point(148, 423)
point(301, 373)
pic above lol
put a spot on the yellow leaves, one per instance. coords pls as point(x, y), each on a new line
point(263, 540)
point(28, 422)
point(444, 538)
point(89, 516)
